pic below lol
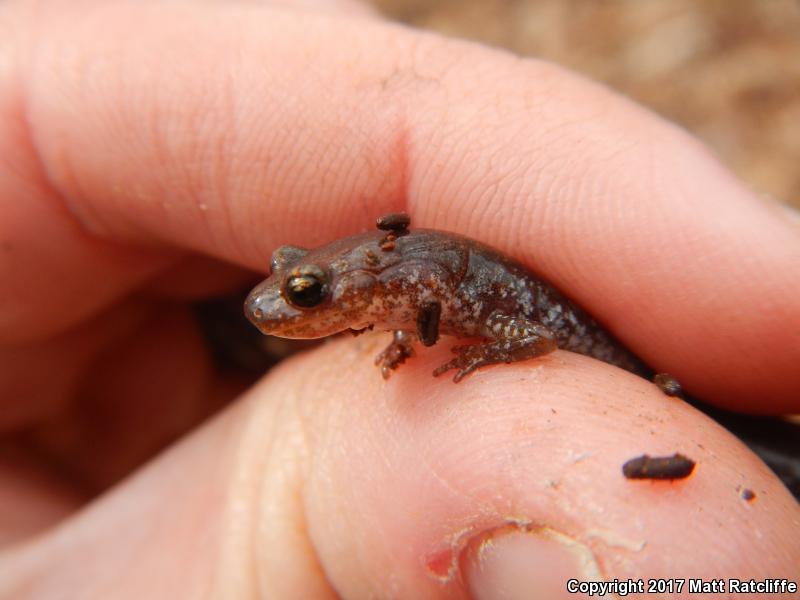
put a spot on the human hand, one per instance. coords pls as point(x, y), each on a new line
point(138, 138)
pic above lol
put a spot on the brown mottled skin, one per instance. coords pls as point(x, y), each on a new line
point(420, 284)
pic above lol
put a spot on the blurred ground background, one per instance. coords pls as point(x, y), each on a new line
point(728, 70)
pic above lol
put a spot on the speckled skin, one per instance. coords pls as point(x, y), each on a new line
point(422, 283)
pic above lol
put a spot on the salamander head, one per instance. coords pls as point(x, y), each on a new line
point(312, 294)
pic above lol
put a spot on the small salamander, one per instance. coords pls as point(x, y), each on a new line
point(421, 284)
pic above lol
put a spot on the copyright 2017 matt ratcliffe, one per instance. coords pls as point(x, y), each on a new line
point(624, 587)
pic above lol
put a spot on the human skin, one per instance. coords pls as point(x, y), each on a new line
point(146, 146)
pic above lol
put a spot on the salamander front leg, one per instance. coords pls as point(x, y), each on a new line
point(402, 344)
point(510, 339)
point(396, 353)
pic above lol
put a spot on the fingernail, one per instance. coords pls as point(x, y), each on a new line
point(529, 563)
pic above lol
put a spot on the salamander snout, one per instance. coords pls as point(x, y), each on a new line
point(252, 307)
point(267, 310)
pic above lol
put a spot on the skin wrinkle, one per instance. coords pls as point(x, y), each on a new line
point(313, 554)
point(402, 136)
point(12, 72)
point(394, 90)
point(256, 539)
point(305, 435)
point(378, 526)
point(219, 169)
point(42, 174)
point(376, 447)
point(507, 173)
point(332, 445)
point(218, 186)
point(239, 524)
point(429, 64)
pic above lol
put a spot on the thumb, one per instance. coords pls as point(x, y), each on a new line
point(327, 481)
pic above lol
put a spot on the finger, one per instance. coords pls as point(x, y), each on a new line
point(296, 131)
point(31, 500)
point(145, 390)
point(329, 482)
point(199, 277)
point(92, 402)
point(40, 379)
point(539, 449)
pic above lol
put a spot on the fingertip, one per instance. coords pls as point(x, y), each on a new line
point(534, 446)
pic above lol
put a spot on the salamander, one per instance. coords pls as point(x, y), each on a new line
point(422, 284)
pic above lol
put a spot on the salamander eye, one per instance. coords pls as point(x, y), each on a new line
point(306, 287)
